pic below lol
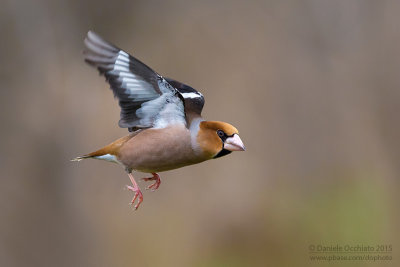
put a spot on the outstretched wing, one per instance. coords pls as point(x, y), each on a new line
point(146, 99)
point(194, 100)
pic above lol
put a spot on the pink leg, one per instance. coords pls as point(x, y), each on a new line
point(137, 191)
point(156, 184)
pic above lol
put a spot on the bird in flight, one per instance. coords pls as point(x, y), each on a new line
point(163, 116)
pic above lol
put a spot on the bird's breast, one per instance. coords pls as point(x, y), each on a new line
point(156, 150)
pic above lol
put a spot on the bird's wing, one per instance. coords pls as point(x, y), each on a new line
point(194, 100)
point(145, 97)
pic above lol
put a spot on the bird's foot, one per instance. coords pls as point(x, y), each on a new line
point(156, 184)
point(138, 193)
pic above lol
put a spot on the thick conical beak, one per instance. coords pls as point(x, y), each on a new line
point(234, 143)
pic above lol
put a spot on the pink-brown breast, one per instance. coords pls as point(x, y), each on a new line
point(157, 150)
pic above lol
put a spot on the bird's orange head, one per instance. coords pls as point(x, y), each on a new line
point(217, 138)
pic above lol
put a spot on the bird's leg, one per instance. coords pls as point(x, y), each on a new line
point(157, 182)
point(135, 188)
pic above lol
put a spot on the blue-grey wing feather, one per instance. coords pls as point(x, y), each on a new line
point(146, 99)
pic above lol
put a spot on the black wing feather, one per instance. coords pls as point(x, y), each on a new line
point(194, 100)
point(142, 93)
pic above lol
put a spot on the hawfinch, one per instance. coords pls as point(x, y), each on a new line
point(162, 115)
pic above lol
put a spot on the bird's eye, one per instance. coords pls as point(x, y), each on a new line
point(220, 133)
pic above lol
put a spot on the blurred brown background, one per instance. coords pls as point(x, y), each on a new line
point(313, 87)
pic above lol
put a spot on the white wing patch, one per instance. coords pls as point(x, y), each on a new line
point(162, 111)
point(192, 95)
point(172, 113)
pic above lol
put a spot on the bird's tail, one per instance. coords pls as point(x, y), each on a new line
point(95, 154)
point(81, 158)
point(108, 152)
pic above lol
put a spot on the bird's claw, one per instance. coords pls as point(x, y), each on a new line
point(138, 193)
point(156, 184)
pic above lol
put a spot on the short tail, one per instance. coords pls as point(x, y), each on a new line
point(95, 154)
point(81, 158)
point(108, 152)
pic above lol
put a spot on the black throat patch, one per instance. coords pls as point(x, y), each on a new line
point(223, 152)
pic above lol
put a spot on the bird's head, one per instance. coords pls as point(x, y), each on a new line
point(218, 139)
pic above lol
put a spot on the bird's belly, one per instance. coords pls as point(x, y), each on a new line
point(157, 152)
point(147, 165)
point(161, 159)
